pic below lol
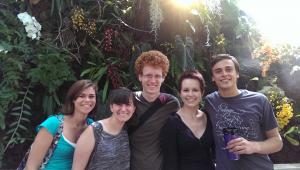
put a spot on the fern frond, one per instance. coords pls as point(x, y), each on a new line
point(20, 112)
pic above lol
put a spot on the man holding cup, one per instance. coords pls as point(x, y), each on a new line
point(247, 117)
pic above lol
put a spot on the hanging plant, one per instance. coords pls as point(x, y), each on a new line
point(156, 16)
point(214, 6)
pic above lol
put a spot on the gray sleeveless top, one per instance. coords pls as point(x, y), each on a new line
point(111, 152)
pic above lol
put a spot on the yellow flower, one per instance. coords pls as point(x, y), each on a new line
point(282, 107)
point(285, 114)
point(80, 22)
point(78, 18)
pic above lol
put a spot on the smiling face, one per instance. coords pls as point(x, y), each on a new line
point(190, 93)
point(85, 102)
point(225, 75)
point(122, 112)
point(151, 80)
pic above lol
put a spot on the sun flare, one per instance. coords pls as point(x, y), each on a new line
point(185, 3)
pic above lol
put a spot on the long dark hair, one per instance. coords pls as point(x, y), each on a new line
point(72, 94)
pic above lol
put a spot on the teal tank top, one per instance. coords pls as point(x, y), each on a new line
point(62, 157)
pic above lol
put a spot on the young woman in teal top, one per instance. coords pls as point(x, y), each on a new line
point(80, 101)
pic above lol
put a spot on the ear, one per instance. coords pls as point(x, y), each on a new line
point(237, 75)
point(140, 77)
point(163, 79)
point(110, 107)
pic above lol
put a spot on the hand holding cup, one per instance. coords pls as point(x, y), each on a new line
point(230, 134)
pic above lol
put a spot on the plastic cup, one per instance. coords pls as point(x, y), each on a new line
point(229, 134)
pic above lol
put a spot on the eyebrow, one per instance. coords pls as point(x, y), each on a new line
point(224, 67)
point(217, 69)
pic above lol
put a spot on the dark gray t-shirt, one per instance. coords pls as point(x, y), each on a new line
point(111, 152)
point(145, 148)
point(252, 115)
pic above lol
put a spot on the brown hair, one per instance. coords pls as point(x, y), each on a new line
point(192, 74)
point(152, 58)
point(73, 93)
point(216, 58)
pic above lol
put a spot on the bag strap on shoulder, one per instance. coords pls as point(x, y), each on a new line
point(159, 101)
point(54, 142)
point(50, 150)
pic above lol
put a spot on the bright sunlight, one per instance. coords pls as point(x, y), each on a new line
point(185, 3)
point(278, 21)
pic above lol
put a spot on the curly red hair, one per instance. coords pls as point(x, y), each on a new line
point(153, 58)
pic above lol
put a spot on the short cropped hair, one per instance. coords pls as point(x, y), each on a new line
point(121, 95)
point(152, 58)
point(192, 74)
point(73, 93)
point(216, 58)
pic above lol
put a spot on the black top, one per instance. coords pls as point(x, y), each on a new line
point(182, 150)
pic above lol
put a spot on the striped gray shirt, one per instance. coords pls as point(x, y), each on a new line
point(111, 152)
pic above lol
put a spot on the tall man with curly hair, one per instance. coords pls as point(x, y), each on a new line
point(152, 110)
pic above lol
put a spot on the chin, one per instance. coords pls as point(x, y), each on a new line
point(123, 120)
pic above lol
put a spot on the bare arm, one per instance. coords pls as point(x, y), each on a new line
point(84, 148)
point(272, 144)
point(39, 148)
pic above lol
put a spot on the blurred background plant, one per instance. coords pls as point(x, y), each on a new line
point(279, 81)
point(284, 112)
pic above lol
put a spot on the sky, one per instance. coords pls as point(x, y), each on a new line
point(277, 20)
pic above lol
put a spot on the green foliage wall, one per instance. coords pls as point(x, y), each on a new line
point(99, 40)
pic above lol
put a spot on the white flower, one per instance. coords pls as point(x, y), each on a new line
point(32, 26)
point(36, 24)
point(25, 18)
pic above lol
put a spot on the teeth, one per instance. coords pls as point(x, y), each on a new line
point(122, 113)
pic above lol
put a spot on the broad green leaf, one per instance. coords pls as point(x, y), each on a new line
point(290, 130)
point(105, 90)
point(87, 71)
point(100, 73)
point(292, 140)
